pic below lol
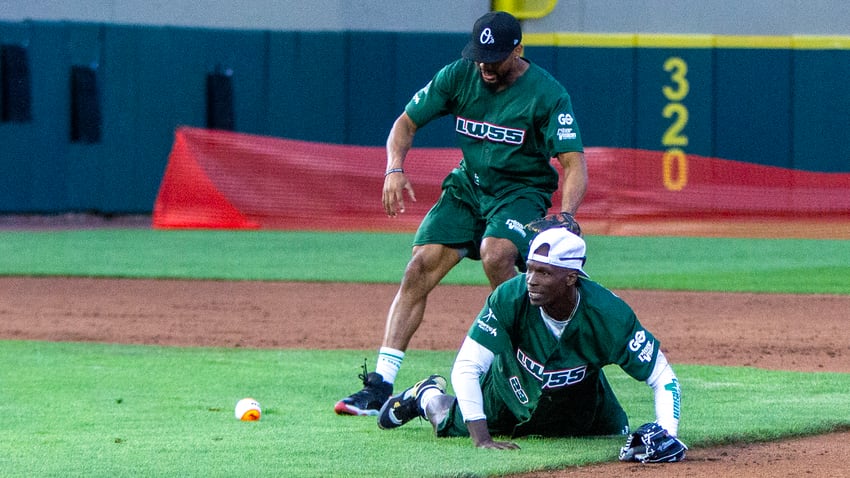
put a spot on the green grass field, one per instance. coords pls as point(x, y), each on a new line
point(82, 409)
point(680, 263)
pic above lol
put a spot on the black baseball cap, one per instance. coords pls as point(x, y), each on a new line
point(494, 37)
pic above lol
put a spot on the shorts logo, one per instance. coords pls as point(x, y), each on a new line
point(515, 225)
point(489, 132)
point(516, 386)
point(565, 119)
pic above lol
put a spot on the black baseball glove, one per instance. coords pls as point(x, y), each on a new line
point(561, 219)
point(652, 444)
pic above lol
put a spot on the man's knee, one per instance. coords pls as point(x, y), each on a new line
point(499, 259)
point(498, 253)
point(430, 263)
point(416, 266)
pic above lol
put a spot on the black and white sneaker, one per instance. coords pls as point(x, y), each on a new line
point(369, 400)
point(406, 406)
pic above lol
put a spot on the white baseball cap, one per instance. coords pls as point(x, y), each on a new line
point(565, 249)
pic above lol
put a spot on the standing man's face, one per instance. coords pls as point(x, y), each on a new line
point(496, 75)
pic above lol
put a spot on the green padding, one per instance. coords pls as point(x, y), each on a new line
point(821, 107)
point(307, 92)
point(752, 101)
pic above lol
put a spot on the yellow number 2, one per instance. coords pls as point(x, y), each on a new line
point(673, 135)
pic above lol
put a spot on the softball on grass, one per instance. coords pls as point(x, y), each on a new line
point(248, 410)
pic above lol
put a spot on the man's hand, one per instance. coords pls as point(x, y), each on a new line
point(399, 143)
point(481, 437)
point(393, 196)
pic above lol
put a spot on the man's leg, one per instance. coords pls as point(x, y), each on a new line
point(409, 404)
point(429, 264)
point(427, 399)
point(498, 258)
point(505, 242)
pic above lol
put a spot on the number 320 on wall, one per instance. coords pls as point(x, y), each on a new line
point(675, 161)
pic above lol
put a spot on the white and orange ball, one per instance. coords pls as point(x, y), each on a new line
point(248, 410)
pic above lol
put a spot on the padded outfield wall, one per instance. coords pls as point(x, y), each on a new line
point(779, 101)
point(776, 101)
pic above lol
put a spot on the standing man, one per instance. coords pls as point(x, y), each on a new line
point(532, 364)
point(511, 118)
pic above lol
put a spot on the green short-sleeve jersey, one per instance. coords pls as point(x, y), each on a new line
point(507, 137)
point(530, 362)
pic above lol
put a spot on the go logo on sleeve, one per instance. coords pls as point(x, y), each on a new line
point(637, 342)
point(566, 133)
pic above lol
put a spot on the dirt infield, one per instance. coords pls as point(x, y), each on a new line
point(757, 330)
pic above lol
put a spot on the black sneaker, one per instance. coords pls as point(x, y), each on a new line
point(369, 400)
point(406, 406)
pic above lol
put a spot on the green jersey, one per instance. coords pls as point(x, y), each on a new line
point(507, 137)
point(548, 384)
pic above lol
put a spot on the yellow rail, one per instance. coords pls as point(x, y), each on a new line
point(525, 8)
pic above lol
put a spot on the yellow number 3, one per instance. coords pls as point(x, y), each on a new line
point(678, 69)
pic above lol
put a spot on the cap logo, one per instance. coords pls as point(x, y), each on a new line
point(486, 37)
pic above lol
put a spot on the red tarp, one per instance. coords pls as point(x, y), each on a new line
point(217, 179)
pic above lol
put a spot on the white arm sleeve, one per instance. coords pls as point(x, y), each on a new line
point(472, 361)
point(667, 395)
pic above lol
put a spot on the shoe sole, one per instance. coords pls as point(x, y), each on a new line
point(439, 382)
point(342, 408)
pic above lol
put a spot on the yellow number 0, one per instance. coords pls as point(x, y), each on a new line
point(679, 69)
point(675, 159)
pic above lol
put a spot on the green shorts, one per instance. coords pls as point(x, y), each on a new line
point(457, 220)
point(562, 415)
